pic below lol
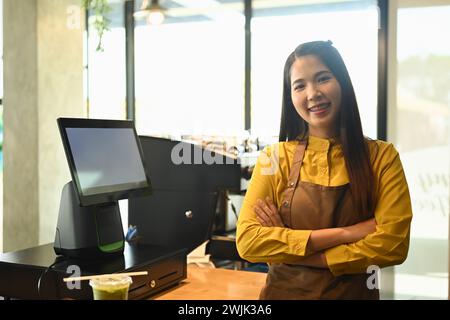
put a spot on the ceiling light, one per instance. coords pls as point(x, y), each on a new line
point(152, 11)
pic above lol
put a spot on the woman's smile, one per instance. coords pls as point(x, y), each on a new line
point(320, 109)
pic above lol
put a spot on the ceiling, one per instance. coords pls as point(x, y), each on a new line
point(177, 11)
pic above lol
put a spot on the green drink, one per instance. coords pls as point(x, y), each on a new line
point(114, 287)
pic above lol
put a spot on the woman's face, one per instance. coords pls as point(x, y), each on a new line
point(316, 95)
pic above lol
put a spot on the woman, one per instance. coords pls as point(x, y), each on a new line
point(325, 205)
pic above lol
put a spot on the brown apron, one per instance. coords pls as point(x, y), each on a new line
point(308, 206)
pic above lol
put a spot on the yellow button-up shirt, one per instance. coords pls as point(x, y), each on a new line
point(324, 164)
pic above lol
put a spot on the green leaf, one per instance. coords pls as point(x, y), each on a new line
point(99, 8)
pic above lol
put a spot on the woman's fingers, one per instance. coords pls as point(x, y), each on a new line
point(261, 221)
point(263, 218)
point(275, 213)
point(267, 213)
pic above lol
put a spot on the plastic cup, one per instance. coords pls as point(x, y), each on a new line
point(114, 287)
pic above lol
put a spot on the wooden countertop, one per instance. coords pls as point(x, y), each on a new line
point(216, 284)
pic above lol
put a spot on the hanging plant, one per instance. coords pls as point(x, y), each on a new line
point(99, 10)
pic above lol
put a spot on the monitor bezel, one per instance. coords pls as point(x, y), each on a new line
point(107, 197)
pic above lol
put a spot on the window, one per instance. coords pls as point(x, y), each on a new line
point(1, 126)
point(276, 31)
point(189, 71)
point(420, 129)
point(106, 85)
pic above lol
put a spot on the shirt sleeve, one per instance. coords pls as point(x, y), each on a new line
point(389, 244)
point(256, 243)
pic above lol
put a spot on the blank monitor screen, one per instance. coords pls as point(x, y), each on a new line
point(104, 159)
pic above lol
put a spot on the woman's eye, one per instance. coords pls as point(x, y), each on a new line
point(324, 78)
point(299, 87)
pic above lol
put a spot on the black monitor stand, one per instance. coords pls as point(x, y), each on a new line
point(87, 232)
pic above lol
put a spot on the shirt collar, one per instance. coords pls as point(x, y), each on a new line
point(321, 144)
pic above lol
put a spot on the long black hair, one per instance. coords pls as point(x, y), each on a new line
point(354, 144)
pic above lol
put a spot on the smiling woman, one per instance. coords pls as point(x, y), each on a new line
point(335, 205)
point(316, 95)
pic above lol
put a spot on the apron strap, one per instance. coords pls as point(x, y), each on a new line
point(286, 199)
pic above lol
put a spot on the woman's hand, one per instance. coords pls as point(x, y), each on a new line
point(360, 230)
point(267, 214)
